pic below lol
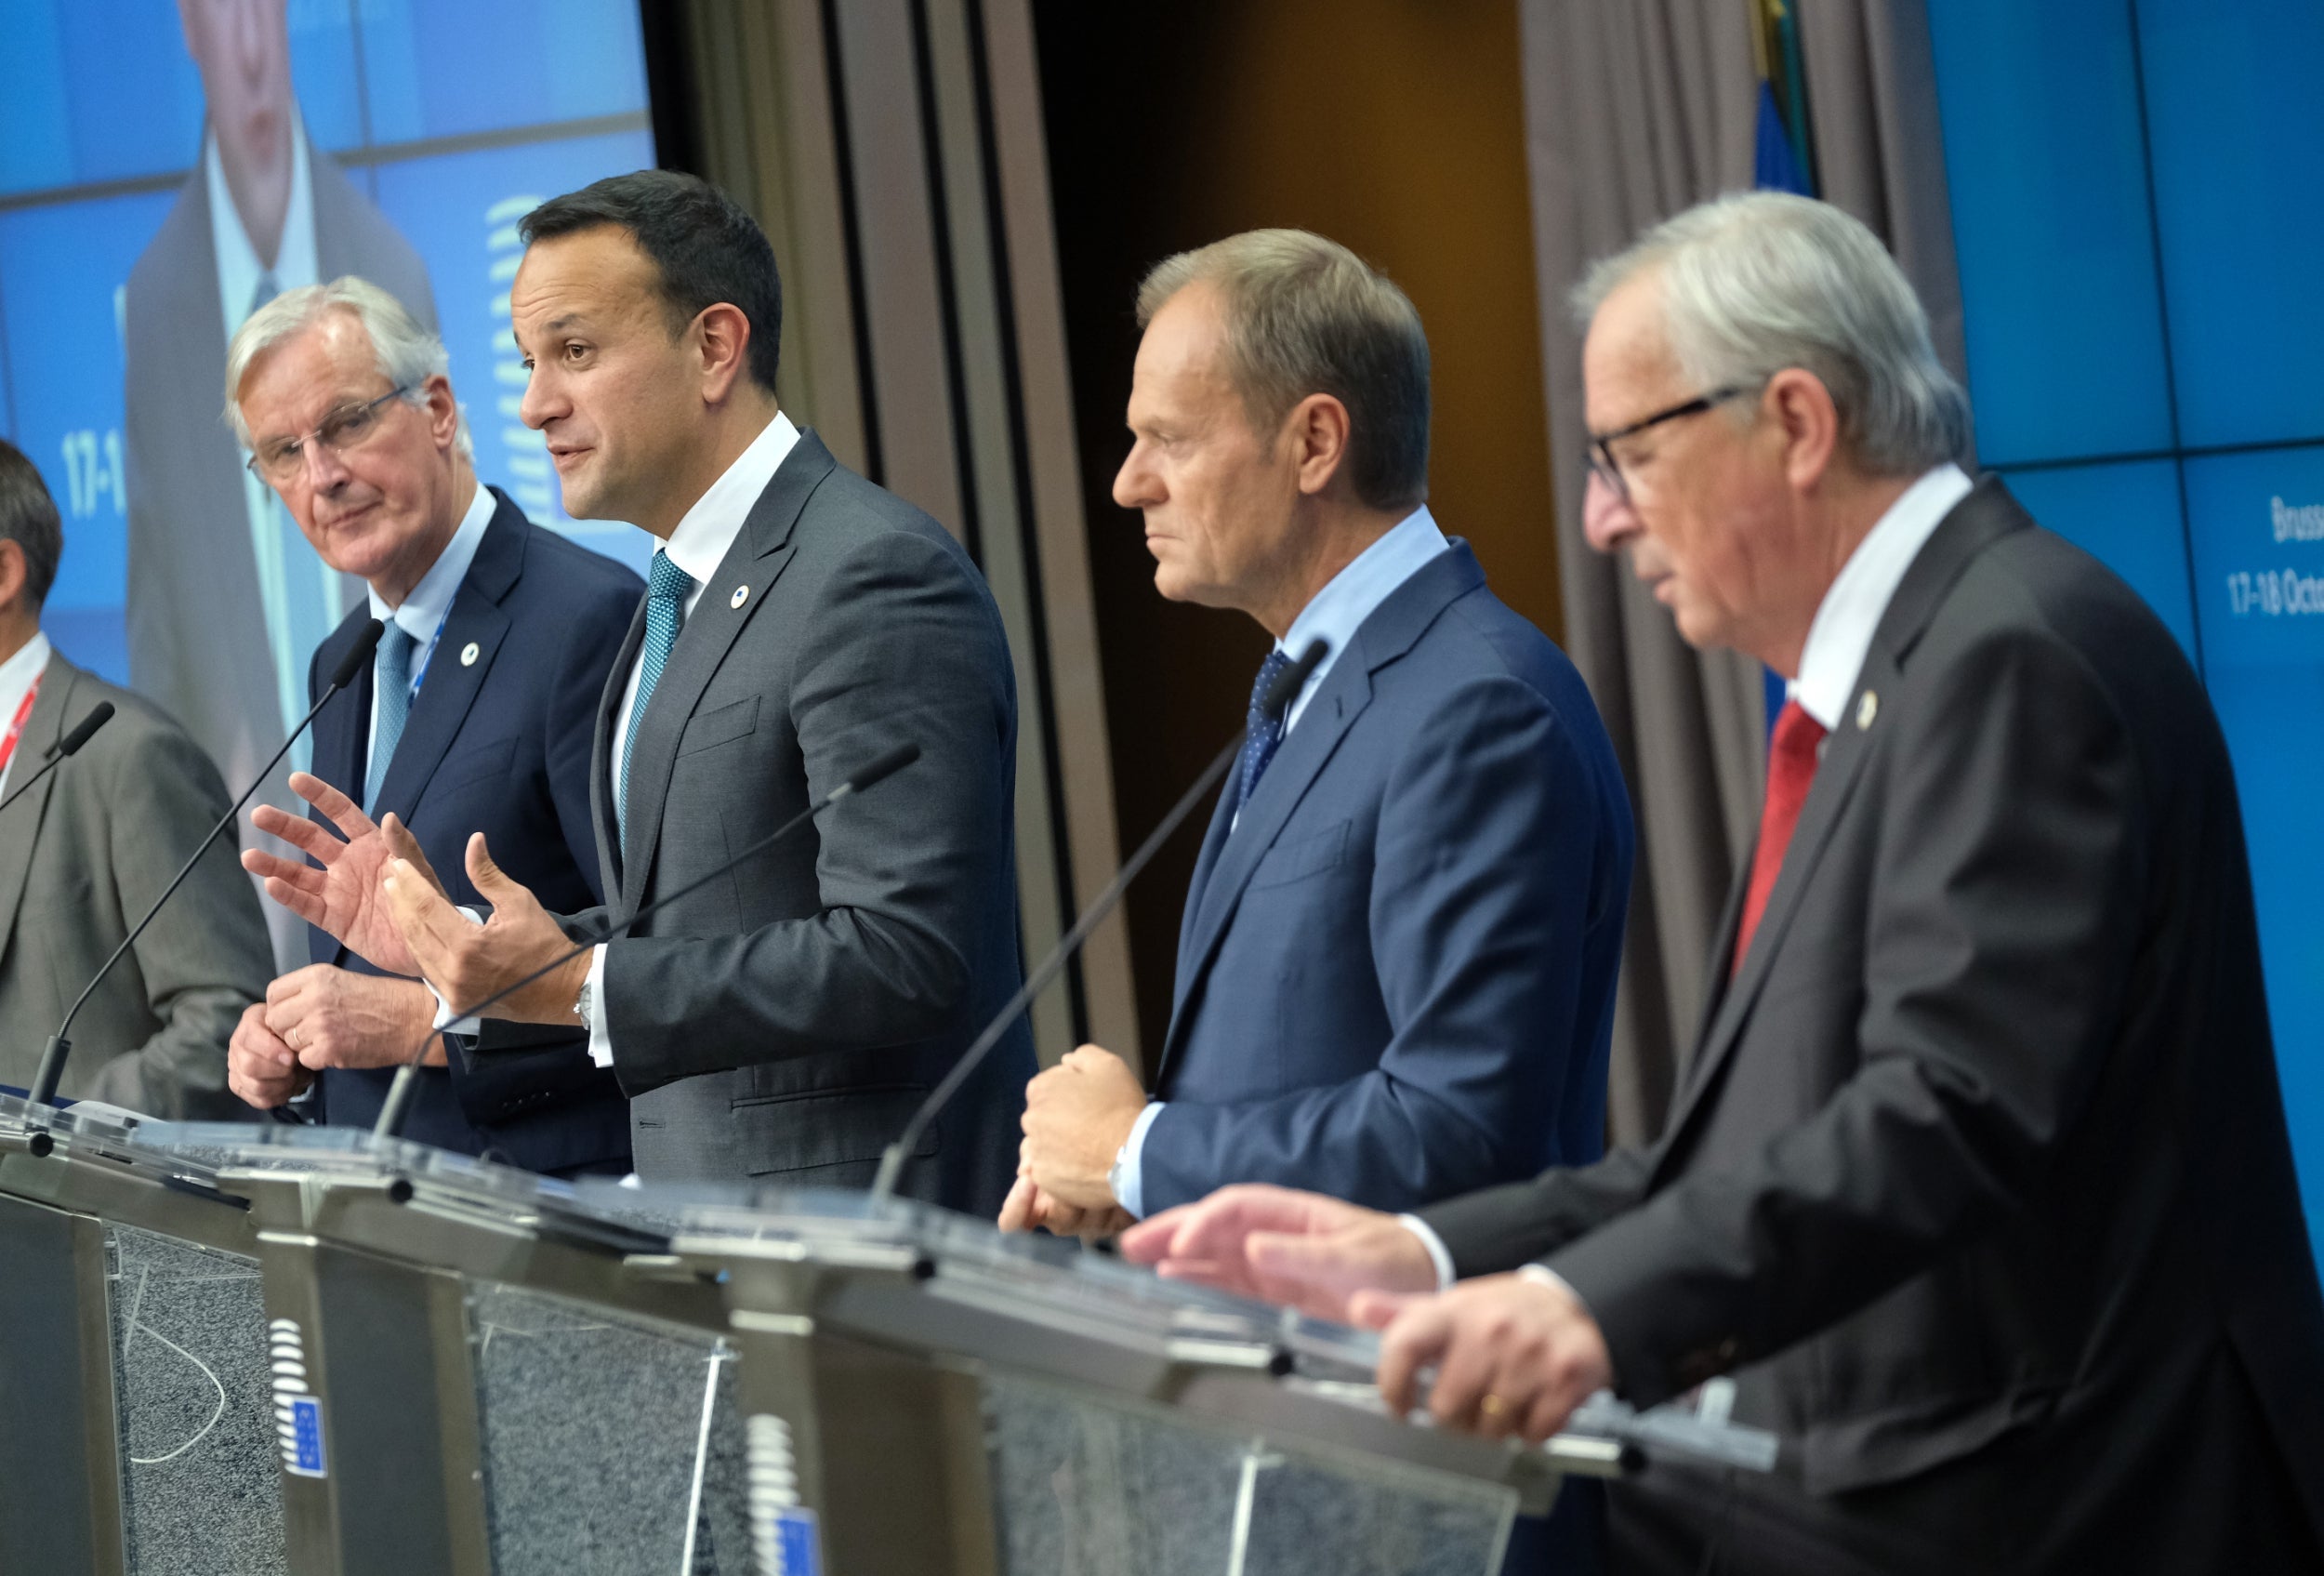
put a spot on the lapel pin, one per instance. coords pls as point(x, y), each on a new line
point(1867, 709)
point(742, 595)
point(468, 653)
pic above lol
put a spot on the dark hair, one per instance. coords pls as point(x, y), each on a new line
point(704, 247)
point(28, 518)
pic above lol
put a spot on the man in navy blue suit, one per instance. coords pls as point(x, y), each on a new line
point(1396, 968)
point(475, 714)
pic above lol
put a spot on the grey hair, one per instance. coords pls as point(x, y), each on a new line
point(408, 354)
point(1305, 315)
point(1756, 281)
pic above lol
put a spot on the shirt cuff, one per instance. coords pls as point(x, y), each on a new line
point(444, 1020)
point(1439, 1255)
point(1128, 1177)
point(600, 1027)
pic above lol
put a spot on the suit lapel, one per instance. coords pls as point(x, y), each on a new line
point(761, 551)
point(449, 686)
point(21, 835)
point(602, 818)
point(1976, 521)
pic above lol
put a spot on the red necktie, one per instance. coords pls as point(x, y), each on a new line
point(1790, 767)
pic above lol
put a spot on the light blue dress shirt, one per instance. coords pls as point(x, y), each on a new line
point(1333, 615)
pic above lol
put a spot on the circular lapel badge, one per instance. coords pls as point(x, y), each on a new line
point(468, 653)
point(742, 595)
point(1867, 709)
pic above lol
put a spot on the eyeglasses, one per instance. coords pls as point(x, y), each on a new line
point(1601, 459)
point(344, 428)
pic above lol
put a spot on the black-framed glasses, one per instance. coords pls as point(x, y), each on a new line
point(342, 429)
point(1601, 459)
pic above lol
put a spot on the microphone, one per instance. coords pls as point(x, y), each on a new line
point(1274, 704)
point(99, 715)
point(407, 1076)
point(44, 1090)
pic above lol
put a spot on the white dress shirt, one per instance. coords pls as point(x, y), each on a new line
point(1332, 614)
point(284, 575)
point(18, 675)
point(1839, 639)
point(424, 611)
point(698, 547)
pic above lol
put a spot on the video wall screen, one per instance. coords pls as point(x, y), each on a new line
point(2138, 196)
point(162, 165)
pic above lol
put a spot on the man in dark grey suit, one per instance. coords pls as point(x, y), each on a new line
point(86, 851)
point(783, 1021)
point(225, 601)
point(1978, 1181)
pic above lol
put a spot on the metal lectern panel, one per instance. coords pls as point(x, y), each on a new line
point(201, 1466)
point(611, 1443)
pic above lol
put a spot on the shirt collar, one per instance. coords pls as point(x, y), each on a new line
point(1337, 612)
point(708, 529)
point(17, 673)
point(1841, 636)
point(239, 269)
point(423, 611)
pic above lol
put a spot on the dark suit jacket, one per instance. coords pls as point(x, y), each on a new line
point(499, 746)
point(82, 855)
point(197, 630)
point(1395, 977)
point(783, 1021)
point(1979, 1176)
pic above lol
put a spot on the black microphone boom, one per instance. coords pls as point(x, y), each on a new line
point(1274, 704)
point(400, 1091)
point(99, 715)
point(44, 1090)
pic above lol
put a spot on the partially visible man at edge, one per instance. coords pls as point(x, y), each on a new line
point(1978, 1179)
point(785, 1019)
point(474, 712)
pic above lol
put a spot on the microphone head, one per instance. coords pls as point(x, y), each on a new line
point(1288, 685)
point(885, 765)
point(99, 715)
point(358, 654)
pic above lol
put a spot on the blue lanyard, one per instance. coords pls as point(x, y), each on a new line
point(419, 674)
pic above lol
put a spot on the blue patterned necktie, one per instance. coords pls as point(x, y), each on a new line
point(664, 611)
point(391, 706)
point(1263, 734)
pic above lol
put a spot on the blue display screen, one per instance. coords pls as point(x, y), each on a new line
point(2138, 199)
point(448, 117)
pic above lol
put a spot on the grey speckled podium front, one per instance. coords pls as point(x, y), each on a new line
point(1087, 1489)
point(594, 1428)
point(201, 1485)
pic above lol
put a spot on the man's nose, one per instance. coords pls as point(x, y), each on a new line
point(1607, 518)
point(1133, 483)
point(536, 408)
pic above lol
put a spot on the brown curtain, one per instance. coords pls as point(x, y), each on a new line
point(1634, 109)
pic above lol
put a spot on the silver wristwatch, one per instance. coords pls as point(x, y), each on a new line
point(585, 1005)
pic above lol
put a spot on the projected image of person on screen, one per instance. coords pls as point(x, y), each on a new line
point(225, 601)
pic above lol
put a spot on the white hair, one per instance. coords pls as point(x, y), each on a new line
point(408, 354)
point(1756, 281)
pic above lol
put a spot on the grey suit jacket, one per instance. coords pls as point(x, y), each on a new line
point(197, 630)
point(783, 1021)
point(1978, 1177)
point(82, 855)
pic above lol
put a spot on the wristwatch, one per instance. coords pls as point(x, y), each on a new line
point(585, 1005)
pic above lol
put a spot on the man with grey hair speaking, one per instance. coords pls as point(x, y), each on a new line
point(1978, 1181)
point(475, 712)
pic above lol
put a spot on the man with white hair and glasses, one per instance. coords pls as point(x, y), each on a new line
point(475, 713)
point(1978, 1180)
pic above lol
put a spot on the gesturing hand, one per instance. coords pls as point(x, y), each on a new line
point(343, 897)
point(1305, 1250)
point(467, 962)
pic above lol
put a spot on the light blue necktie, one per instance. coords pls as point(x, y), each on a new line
point(391, 702)
point(664, 611)
point(1263, 734)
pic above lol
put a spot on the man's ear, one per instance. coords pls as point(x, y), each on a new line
point(723, 333)
point(1317, 426)
point(15, 575)
point(1802, 408)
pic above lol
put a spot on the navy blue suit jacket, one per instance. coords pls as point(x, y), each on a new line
point(498, 744)
point(1395, 977)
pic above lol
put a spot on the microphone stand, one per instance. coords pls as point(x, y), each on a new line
point(99, 715)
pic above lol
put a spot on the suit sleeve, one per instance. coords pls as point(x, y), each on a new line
point(1494, 862)
point(904, 648)
point(206, 957)
point(2012, 875)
